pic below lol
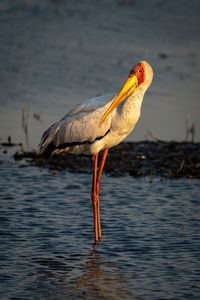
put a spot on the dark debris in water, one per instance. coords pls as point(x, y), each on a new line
point(138, 159)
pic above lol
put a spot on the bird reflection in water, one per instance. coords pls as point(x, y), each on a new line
point(97, 278)
point(101, 279)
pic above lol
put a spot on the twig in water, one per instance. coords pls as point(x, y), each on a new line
point(181, 166)
point(190, 129)
point(25, 120)
point(149, 133)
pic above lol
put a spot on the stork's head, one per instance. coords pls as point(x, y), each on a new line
point(144, 73)
point(140, 77)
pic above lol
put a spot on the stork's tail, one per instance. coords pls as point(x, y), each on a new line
point(46, 146)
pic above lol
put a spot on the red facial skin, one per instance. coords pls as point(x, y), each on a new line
point(139, 72)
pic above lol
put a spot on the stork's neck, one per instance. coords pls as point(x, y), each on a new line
point(130, 108)
point(128, 113)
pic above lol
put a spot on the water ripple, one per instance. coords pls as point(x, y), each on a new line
point(150, 246)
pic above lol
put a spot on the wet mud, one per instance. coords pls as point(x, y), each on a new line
point(138, 159)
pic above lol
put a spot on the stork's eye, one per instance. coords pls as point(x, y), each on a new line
point(140, 71)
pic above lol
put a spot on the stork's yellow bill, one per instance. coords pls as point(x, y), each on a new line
point(128, 88)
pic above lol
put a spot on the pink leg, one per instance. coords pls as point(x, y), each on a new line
point(94, 198)
point(95, 194)
point(97, 190)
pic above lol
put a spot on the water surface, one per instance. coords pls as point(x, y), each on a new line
point(150, 247)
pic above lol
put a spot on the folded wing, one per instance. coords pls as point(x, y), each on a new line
point(79, 125)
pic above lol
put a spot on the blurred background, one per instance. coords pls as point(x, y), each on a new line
point(56, 54)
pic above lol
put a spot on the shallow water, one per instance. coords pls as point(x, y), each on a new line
point(150, 247)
